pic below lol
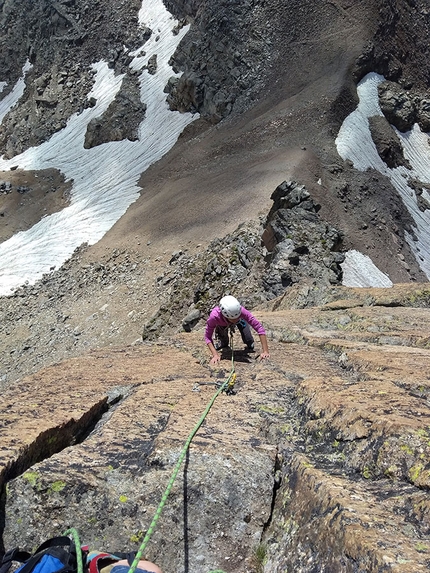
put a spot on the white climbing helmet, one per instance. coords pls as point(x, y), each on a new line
point(230, 307)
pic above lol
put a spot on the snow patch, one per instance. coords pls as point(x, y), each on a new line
point(105, 177)
point(359, 271)
point(11, 99)
point(354, 142)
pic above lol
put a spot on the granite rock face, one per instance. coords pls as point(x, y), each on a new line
point(318, 462)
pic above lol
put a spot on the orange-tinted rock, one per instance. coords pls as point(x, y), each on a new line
point(319, 462)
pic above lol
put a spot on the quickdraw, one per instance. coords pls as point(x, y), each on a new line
point(229, 389)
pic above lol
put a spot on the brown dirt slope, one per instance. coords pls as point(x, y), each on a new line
point(218, 175)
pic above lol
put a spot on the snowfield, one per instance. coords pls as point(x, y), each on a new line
point(105, 177)
point(354, 142)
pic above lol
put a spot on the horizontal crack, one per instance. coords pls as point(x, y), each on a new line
point(53, 441)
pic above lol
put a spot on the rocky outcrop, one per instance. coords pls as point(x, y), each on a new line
point(318, 461)
point(241, 33)
point(256, 263)
point(403, 108)
point(49, 100)
point(387, 142)
point(298, 242)
point(339, 297)
point(195, 284)
point(396, 105)
point(122, 118)
point(419, 188)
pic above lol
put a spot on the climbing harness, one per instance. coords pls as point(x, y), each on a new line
point(226, 387)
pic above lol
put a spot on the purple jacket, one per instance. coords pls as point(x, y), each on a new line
point(216, 318)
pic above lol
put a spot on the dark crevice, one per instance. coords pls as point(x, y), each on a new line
point(51, 442)
point(277, 480)
point(186, 519)
point(2, 518)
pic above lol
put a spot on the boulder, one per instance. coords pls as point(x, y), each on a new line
point(397, 105)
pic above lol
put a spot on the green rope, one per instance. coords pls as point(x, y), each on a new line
point(177, 467)
point(74, 533)
point(139, 554)
point(77, 543)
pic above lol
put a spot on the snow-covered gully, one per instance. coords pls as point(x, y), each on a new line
point(354, 142)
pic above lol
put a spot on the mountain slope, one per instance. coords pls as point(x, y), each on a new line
point(292, 86)
point(335, 425)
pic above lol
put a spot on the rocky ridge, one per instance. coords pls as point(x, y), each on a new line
point(83, 305)
point(255, 263)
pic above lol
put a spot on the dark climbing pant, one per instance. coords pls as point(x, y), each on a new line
point(222, 334)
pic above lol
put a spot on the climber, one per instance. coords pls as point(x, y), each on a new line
point(227, 315)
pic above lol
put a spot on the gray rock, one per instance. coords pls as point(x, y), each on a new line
point(122, 118)
point(423, 114)
point(387, 142)
point(190, 321)
point(397, 105)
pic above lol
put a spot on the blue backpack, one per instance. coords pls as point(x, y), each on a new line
point(56, 555)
